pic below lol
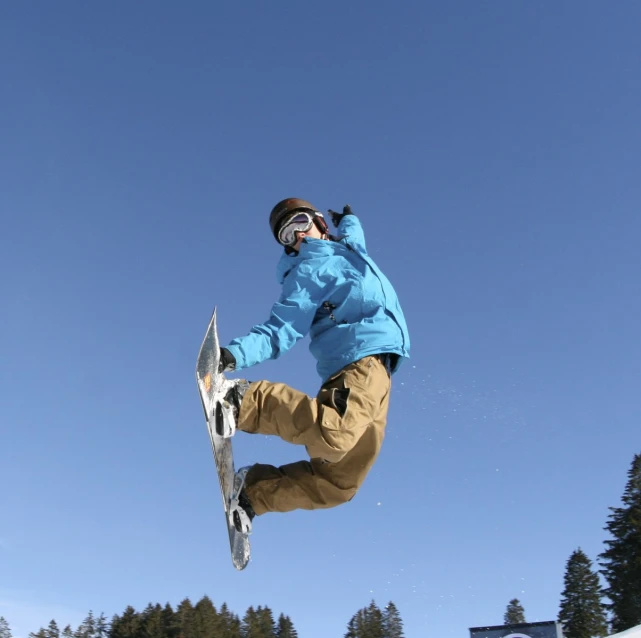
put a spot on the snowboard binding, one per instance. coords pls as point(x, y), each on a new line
point(240, 509)
point(227, 406)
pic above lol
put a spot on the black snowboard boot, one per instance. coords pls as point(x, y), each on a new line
point(228, 406)
point(240, 508)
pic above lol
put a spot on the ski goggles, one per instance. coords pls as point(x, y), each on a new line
point(301, 222)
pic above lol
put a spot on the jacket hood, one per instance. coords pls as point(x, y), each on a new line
point(311, 248)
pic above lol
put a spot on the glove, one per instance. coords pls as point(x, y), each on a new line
point(227, 361)
point(336, 217)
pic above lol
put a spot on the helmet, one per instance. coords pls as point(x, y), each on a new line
point(284, 209)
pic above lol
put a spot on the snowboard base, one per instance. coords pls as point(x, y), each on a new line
point(209, 382)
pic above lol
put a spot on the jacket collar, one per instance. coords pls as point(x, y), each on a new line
point(310, 249)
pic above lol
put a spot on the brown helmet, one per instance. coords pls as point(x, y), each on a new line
point(284, 209)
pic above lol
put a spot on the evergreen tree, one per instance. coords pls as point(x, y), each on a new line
point(126, 626)
point(5, 631)
point(152, 622)
point(52, 631)
point(235, 630)
point(185, 620)
point(285, 627)
point(356, 625)
point(101, 627)
point(514, 614)
point(169, 621)
point(392, 623)
point(374, 622)
point(67, 632)
point(229, 625)
point(266, 622)
point(581, 610)
point(250, 627)
point(368, 622)
point(205, 618)
point(352, 629)
point(621, 561)
point(87, 628)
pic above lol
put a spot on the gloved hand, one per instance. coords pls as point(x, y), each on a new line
point(336, 217)
point(227, 361)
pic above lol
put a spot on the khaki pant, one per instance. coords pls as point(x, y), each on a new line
point(342, 429)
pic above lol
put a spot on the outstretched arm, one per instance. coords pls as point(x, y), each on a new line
point(290, 320)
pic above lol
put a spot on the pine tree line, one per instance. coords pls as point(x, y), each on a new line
point(583, 611)
point(372, 622)
point(201, 620)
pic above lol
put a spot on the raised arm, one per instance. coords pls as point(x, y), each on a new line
point(349, 228)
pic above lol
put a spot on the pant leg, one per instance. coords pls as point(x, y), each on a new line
point(346, 421)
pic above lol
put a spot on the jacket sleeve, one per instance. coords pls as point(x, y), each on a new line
point(290, 320)
point(351, 230)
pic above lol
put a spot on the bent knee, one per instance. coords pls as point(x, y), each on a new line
point(332, 447)
point(340, 442)
point(339, 496)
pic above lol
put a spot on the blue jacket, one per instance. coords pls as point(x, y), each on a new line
point(334, 291)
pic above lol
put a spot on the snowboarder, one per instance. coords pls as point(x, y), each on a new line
point(332, 289)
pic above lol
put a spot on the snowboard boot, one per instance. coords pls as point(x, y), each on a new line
point(240, 509)
point(228, 406)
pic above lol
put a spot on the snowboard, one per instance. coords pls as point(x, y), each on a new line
point(209, 381)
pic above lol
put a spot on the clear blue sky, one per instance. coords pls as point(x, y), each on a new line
point(493, 153)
